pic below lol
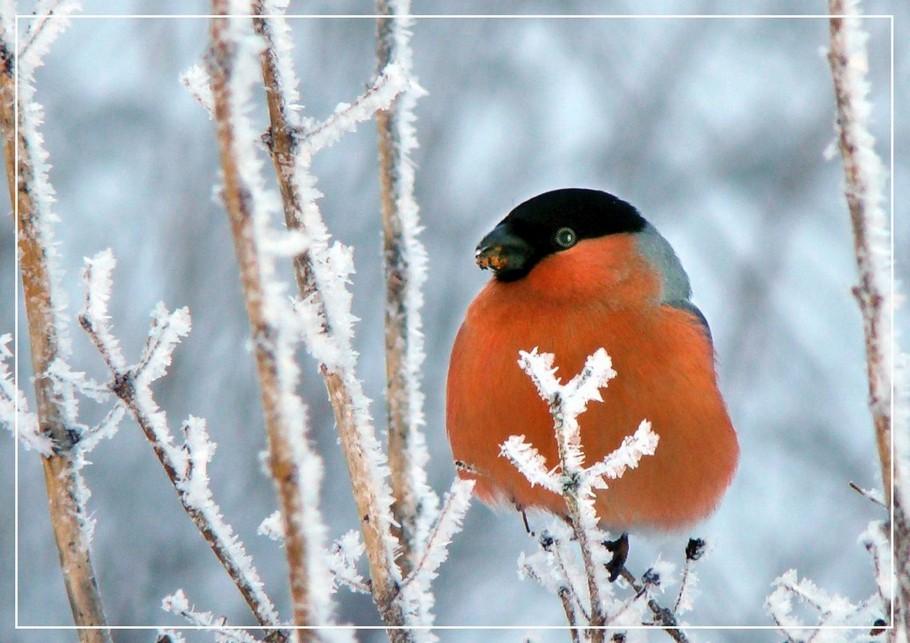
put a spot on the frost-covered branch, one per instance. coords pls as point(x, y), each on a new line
point(390, 82)
point(295, 467)
point(14, 407)
point(404, 260)
point(864, 182)
point(576, 482)
point(434, 549)
point(322, 272)
point(346, 551)
point(178, 603)
point(831, 609)
point(566, 403)
point(342, 558)
point(864, 178)
point(186, 465)
point(685, 598)
point(33, 197)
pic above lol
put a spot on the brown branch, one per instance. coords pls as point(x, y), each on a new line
point(397, 275)
point(862, 176)
point(284, 150)
point(60, 474)
point(237, 202)
point(123, 385)
point(566, 599)
point(862, 196)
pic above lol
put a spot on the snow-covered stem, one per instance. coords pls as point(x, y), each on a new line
point(295, 467)
point(33, 198)
point(832, 609)
point(178, 603)
point(565, 597)
point(404, 260)
point(184, 466)
point(576, 482)
point(565, 404)
point(346, 551)
point(694, 551)
point(864, 178)
point(416, 585)
point(321, 272)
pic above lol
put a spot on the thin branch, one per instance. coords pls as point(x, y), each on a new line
point(295, 467)
point(321, 272)
point(32, 195)
point(871, 495)
point(404, 261)
point(185, 468)
point(864, 179)
point(566, 600)
point(662, 615)
point(177, 603)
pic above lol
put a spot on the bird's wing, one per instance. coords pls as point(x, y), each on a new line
point(692, 309)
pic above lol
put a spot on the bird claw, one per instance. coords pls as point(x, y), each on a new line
point(620, 550)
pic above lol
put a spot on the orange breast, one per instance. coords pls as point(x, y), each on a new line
point(599, 294)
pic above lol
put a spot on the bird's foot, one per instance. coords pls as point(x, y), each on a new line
point(524, 518)
point(620, 550)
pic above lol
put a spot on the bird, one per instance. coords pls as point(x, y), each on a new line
point(575, 270)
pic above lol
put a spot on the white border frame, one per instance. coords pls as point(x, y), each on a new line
point(15, 205)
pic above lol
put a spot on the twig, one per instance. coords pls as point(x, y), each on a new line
point(864, 178)
point(315, 272)
point(566, 599)
point(178, 603)
point(25, 157)
point(574, 481)
point(868, 494)
point(296, 469)
point(404, 259)
point(131, 386)
point(663, 616)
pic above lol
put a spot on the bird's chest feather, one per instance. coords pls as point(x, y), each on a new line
point(665, 374)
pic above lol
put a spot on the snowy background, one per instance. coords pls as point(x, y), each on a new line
point(714, 129)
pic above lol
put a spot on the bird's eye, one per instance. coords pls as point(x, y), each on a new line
point(565, 237)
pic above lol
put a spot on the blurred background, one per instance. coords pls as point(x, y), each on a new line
point(715, 129)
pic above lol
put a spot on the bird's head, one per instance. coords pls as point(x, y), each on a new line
point(575, 238)
point(553, 222)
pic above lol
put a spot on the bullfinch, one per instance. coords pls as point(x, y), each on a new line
point(575, 270)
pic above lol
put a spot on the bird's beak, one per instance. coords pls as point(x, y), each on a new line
point(502, 252)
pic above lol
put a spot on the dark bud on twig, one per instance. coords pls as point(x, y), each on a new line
point(546, 540)
point(695, 549)
point(651, 577)
point(878, 627)
point(268, 140)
